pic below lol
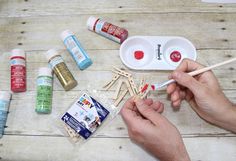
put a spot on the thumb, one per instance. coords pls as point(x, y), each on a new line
point(147, 112)
point(186, 80)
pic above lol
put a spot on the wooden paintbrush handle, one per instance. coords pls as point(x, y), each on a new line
point(196, 72)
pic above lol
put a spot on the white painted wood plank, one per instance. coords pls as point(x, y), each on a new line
point(219, 1)
point(205, 30)
point(24, 8)
point(23, 120)
point(31, 148)
point(60, 149)
point(100, 70)
point(97, 79)
point(104, 59)
point(211, 149)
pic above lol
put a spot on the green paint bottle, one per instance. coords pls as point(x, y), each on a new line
point(44, 91)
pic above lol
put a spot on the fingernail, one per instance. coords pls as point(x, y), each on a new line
point(136, 99)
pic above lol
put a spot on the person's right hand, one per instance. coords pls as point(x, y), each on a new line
point(154, 132)
point(203, 93)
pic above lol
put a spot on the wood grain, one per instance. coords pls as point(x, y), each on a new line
point(22, 119)
point(205, 30)
point(26, 8)
point(50, 148)
point(35, 26)
point(101, 72)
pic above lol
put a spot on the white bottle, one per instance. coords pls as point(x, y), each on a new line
point(75, 49)
point(18, 70)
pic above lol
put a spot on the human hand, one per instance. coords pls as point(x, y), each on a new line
point(148, 128)
point(203, 93)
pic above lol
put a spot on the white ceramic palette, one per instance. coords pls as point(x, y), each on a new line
point(156, 52)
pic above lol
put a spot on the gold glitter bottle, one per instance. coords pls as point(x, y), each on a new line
point(60, 69)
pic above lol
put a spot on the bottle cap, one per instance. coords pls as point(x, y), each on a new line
point(91, 22)
point(65, 34)
point(6, 96)
point(17, 52)
point(45, 71)
point(51, 53)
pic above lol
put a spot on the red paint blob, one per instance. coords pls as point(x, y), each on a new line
point(175, 56)
point(138, 54)
point(153, 87)
point(144, 88)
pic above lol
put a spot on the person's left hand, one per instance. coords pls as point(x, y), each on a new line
point(148, 128)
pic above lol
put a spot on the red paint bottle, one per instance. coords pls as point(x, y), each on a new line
point(107, 29)
point(18, 71)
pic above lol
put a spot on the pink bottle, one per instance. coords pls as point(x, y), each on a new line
point(107, 30)
point(18, 71)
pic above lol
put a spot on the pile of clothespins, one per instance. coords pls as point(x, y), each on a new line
point(128, 80)
point(123, 78)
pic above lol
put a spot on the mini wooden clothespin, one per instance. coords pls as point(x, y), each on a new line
point(144, 91)
point(141, 85)
point(109, 84)
point(131, 92)
point(117, 102)
point(118, 89)
point(130, 85)
point(121, 72)
point(133, 86)
point(73, 135)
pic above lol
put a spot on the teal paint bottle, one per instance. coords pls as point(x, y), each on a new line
point(76, 50)
point(4, 106)
point(44, 91)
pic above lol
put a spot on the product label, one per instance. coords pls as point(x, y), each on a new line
point(109, 30)
point(85, 115)
point(44, 94)
point(75, 49)
point(44, 81)
point(18, 74)
point(17, 61)
point(56, 60)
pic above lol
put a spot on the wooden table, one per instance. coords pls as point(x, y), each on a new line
point(35, 26)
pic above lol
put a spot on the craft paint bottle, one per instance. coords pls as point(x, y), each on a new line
point(18, 71)
point(60, 69)
point(4, 106)
point(107, 29)
point(44, 91)
point(76, 50)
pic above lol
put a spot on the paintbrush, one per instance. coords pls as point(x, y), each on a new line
point(193, 73)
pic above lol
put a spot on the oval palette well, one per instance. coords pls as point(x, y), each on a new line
point(156, 52)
